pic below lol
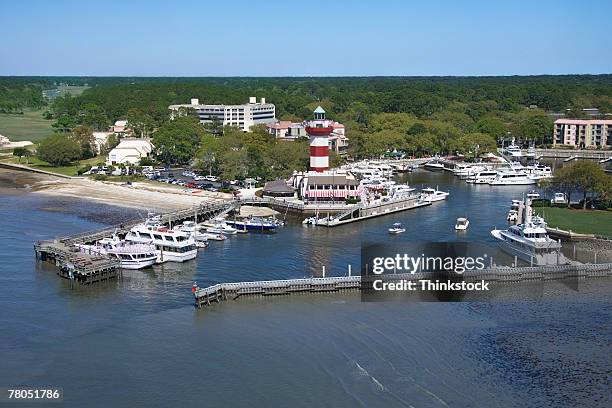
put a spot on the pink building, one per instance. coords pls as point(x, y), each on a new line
point(582, 133)
point(285, 130)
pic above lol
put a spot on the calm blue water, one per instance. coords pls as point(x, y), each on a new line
point(140, 342)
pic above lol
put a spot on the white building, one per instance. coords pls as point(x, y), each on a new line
point(130, 151)
point(100, 139)
point(243, 116)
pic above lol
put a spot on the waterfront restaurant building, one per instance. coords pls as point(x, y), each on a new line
point(330, 186)
point(243, 116)
point(580, 133)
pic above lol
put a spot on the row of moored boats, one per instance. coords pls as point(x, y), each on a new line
point(152, 242)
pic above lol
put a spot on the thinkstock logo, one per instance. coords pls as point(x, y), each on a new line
point(426, 271)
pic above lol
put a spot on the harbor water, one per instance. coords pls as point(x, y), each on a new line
point(140, 342)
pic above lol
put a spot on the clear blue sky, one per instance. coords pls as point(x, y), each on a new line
point(295, 38)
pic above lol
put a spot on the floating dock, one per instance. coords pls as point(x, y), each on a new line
point(501, 275)
point(361, 211)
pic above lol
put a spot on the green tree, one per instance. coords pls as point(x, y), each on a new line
point(59, 150)
point(475, 144)
point(83, 135)
point(177, 141)
point(535, 125)
point(492, 126)
point(22, 152)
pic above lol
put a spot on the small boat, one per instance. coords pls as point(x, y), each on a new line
point(533, 194)
point(310, 221)
point(559, 198)
point(434, 165)
point(397, 228)
point(429, 194)
point(252, 224)
point(219, 226)
point(512, 216)
point(201, 244)
point(210, 236)
point(462, 224)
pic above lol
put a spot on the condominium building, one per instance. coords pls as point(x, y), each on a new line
point(243, 116)
point(580, 133)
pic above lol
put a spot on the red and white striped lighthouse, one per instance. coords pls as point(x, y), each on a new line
point(318, 131)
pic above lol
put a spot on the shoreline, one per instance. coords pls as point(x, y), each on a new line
point(139, 195)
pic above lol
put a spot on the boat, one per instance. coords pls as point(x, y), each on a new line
point(512, 216)
point(434, 165)
point(533, 195)
point(512, 178)
point(252, 224)
point(130, 255)
point(397, 228)
point(559, 198)
point(310, 221)
point(431, 195)
point(401, 191)
point(462, 224)
point(170, 245)
point(529, 241)
point(482, 177)
point(219, 226)
point(514, 150)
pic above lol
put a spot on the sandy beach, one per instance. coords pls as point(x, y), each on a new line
point(143, 195)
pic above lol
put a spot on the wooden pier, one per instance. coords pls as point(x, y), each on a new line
point(500, 275)
point(81, 268)
point(361, 211)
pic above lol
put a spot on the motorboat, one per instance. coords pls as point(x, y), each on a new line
point(529, 240)
point(533, 194)
point(252, 224)
point(434, 165)
point(431, 195)
point(513, 150)
point(400, 190)
point(482, 177)
point(512, 178)
point(559, 198)
point(512, 216)
point(462, 224)
point(171, 245)
point(130, 255)
point(310, 221)
point(219, 226)
point(397, 228)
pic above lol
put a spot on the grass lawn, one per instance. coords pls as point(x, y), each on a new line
point(580, 221)
point(71, 170)
point(29, 126)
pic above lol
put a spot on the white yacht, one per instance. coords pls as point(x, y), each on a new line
point(199, 233)
point(529, 240)
point(466, 172)
point(432, 195)
point(514, 150)
point(482, 177)
point(462, 224)
point(130, 255)
point(538, 171)
point(512, 178)
point(171, 245)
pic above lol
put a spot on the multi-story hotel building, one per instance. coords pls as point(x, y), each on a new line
point(243, 116)
point(580, 133)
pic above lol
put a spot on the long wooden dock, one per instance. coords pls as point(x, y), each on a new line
point(501, 275)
